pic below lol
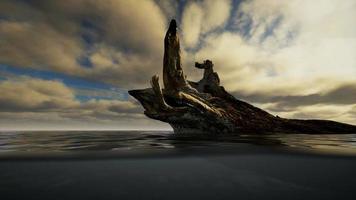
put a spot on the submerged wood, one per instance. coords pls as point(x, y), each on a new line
point(206, 107)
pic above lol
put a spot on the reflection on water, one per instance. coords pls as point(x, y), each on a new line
point(343, 143)
point(59, 141)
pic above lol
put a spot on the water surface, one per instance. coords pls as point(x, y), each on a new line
point(160, 165)
point(125, 141)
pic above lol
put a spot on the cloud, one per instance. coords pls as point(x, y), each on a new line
point(27, 94)
point(191, 24)
point(121, 68)
point(37, 45)
point(31, 94)
point(202, 17)
point(291, 57)
point(344, 94)
point(115, 106)
point(58, 36)
point(58, 121)
point(273, 45)
point(336, 104)
point(89, 93)
point(27, 102)
point(169, 8)
point(122, 24)
point(342, 113)
point(118, 47)
point(216, 14)
point(288, 58)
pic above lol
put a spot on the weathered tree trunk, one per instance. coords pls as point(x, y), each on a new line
point(205, 106)
point(173, 77)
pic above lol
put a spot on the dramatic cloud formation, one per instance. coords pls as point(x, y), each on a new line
point(70, 63)
point(295, 50)
point(101, 40)
point(281, 43)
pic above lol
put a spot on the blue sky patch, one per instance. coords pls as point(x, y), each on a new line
point(84, 89)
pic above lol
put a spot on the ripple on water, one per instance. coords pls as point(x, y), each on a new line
point(59, 141)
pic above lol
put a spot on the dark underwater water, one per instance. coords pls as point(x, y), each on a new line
point(161, 165)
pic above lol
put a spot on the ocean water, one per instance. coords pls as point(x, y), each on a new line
point(128, 141)
point(115, 165)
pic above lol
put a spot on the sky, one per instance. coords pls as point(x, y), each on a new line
point(68, 64)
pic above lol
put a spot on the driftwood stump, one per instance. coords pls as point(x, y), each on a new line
point(206, 107)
